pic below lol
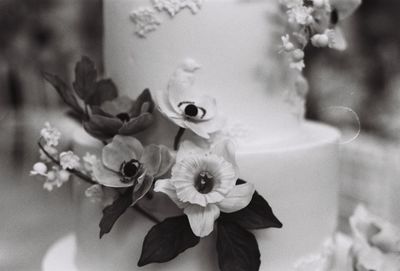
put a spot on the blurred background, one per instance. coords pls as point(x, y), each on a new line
point(51, 35)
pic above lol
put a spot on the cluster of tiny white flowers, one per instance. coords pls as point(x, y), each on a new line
point(301, 18)
point(69, 160)
point(55, 175)
point(147, 19)
point(50, 135)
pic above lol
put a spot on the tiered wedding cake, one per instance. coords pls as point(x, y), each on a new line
point(230, 49)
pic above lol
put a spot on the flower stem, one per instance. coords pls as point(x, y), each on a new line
point(89, 180)
point(178, 138)
point(75, 172)
point(149, 216)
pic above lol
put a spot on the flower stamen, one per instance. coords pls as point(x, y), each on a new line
point(130, 170)
point(124, 117)
point(204, 182)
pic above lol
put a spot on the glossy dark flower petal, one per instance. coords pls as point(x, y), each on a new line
point(102, 127)
point(137, 124)
point(144, 100)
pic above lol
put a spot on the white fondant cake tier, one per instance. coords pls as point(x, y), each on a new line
point(298, 178)
point(236, 42)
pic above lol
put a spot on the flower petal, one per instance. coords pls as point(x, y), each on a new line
point(144, 97)
point(137, 124)
point(197, 129)
point(151, 159)
point(202, 219)
point(121, 149)
point(106, 177)
point(164, 106)
point(145, 187)
point(165, 186)
point(102, 127)
point(340, 42)
point(208, 104)
point(122, 104)
point(239, 197)
point(226, 149)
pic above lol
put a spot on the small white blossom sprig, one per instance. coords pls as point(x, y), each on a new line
point(315, 22)
point(187, 108)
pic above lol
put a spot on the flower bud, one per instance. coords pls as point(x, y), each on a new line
point(40, 168)
point(298, 55)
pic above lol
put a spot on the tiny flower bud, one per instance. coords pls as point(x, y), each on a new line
point(51, 175)
point(289, 47)
point(40, 168)
point(320, 40)
point(298, 55)
point(63, 175)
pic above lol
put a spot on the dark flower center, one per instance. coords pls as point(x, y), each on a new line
point(191, 110)
point(129, 170)
point(334, 17)
point(204, 182)
point(308, 3)
point(124, 117)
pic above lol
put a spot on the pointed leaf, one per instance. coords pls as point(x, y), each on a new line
point(65, 93)
point(237, 248)
point(167, 240)
point(114, 211)
point(85, 78)
point(105, 90)
point(257, 215)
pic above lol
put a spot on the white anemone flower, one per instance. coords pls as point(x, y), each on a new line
point(203, 184)
point(187, 108)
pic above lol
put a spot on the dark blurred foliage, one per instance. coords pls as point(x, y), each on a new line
point(44, 35)
point(365, 77)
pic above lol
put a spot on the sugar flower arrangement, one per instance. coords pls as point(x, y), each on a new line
point(316, 22)
point(203, 181)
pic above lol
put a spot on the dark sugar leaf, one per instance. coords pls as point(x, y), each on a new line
point(237, 248)
point(65, 93)
point(85, 78)
point(257, 215)
point(114, 211)
point(167, 240)
point(105, 90)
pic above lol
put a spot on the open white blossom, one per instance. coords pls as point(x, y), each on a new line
point(69, 160)
point(50, 135)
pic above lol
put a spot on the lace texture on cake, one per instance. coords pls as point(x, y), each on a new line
point(173, 7)
point(146, 20)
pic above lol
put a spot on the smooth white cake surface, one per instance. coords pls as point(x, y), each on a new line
point(299, 180)
point(236, 42)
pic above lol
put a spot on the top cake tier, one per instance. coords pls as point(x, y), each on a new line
point(236, 43)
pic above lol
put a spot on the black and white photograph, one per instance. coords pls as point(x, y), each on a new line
point(201, 135)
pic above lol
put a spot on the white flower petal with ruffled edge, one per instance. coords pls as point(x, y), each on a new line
point(164, 106)
point(207, 103)
point(223, 172)
point(201, 219)
point(106, 177)
point(238, 198)
point(121, 149)
point(165, 186)
point(226, 149)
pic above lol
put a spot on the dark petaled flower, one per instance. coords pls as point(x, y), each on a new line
point(121, 116)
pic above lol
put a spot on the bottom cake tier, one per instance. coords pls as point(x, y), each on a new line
point(297, 177)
